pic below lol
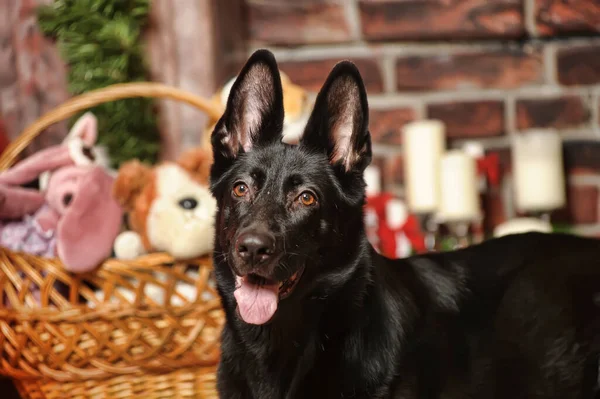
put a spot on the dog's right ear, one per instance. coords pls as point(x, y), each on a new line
point(254, 111)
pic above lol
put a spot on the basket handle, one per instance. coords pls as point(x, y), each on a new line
point(96, 97)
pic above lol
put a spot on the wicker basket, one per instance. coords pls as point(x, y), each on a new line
point(87, 339)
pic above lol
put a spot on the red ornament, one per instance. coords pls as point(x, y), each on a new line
point(390, 237)
point(489, 167)
point(375, 218)
point(386, 240)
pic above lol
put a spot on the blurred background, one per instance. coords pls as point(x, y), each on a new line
point(485, 114)
point(487, 69)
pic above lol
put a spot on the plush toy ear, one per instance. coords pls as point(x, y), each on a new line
point(30, 168)
point(89, 227)
point(16, 202)
point(131, 179)
point(86, 128)
point(338, 125)
point(254, 111)
point(197, 162)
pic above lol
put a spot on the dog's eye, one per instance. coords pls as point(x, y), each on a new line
point(307, 198)
point(240, 190)
point(188, 203)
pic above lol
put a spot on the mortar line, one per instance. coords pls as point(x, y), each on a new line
point(530, 17)
point(526, 92)
point(388, 70)
point(353, 18)
point(595, 108)
point(361, 48)
point(584, 180)
point(550, 69)
point(510, 114)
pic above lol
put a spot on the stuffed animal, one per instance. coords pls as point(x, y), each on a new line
point(296, 103)
point(83, 150)
point(169, 207)
point(74, 218)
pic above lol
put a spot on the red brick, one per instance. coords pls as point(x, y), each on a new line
point(494, 211)
point(394, 170)
point(312, 74)
point(493, 69)
point(385, 125)
point(470, 119)
point(582, 206)
point(579, 65)
point(582, 155)
point(32, 74)
point(560, 112)
point(555, 17)
point(295, 23)
point(441, 19)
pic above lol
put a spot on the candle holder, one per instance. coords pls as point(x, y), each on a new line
point(460, 233)
point(430, 226)
point(477, 231)
point(542, 215)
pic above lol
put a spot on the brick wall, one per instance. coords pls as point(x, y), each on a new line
point(32, 74)
point(188, 43)
point(487, 68)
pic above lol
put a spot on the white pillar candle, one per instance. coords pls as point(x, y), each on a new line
point(459, 188)
point(372, 176)
point(538, 173)
point(423, 143)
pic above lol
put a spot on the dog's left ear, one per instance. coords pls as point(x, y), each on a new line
point(339, 122)
point(254, 111)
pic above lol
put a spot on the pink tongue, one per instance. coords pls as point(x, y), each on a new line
point(257, 304)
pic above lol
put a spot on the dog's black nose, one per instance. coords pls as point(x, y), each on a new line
point(255, 248)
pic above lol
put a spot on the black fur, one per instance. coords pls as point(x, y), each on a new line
point(510, 318)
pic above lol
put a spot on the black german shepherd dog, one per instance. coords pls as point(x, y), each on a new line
point(312, 311)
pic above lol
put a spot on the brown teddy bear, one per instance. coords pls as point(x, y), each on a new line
point(169, 207)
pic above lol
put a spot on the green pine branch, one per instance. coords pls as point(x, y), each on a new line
point(100, 42)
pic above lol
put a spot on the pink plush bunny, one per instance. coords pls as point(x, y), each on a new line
point(83, 149)
point(76, 217)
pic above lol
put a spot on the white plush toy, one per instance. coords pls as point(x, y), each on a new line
point(170, 209)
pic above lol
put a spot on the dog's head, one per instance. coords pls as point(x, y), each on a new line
point(289, 216)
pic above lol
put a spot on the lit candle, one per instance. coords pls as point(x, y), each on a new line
point(459, 187)
point(539, 177)
point(423, 143)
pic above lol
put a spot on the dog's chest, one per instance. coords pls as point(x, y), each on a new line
point(305, 375)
